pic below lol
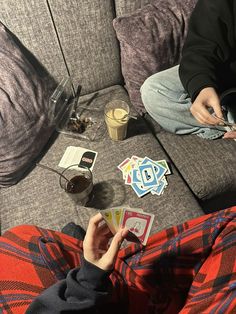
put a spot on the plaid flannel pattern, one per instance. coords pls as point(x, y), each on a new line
point(189, 268)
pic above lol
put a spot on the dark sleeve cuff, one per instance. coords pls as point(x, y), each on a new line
point(197, 83)
point(93, 277)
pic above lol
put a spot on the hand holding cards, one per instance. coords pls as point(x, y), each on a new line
point(136, 220)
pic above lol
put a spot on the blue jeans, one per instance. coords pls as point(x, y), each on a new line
point(168, 103)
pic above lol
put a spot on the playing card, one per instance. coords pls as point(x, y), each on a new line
point(122, 165)
point(139, 223)
point(113, 216)
point(116, 215)
point(164, 164)
point(139, 189)
point(148, 175)
point(159, 169)
point(78, 155)
point(128, 179)
point(136, 177)
point(107, 214)
point(145, 175)
point(160, 187)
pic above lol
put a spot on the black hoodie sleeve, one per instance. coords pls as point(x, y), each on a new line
point(208, 46)
point(82, 291)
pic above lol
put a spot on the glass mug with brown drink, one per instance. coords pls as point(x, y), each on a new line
point(77, 181)
point(116, 115)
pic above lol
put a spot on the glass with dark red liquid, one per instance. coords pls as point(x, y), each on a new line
point(79, 183)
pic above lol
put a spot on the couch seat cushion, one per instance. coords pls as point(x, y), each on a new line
point(38, 199)
point(207, 166)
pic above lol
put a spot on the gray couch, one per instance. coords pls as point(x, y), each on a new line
point(76, 38)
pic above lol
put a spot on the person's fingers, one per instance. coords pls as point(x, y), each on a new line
point(230, 135)
point(217, 110)
point(92, 228)
point(103, 229)
point(203, 115)
point(112, 252)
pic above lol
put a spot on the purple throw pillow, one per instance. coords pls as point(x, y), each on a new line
point(151, 40)
point(25, 126)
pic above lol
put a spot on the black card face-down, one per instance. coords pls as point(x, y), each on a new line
point(87, 159)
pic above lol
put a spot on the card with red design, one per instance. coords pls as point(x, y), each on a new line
point(138, 223)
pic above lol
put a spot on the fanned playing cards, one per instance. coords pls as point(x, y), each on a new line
point(145, 175)
point(136, 220)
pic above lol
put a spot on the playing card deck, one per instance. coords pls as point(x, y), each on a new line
point(136, 220)
point(78, 155)
point(145, 175)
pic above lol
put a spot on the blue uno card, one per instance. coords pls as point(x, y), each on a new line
point(148, 175)
point(159, 188)
point(136, 178)
point(159, 170)
point(139, 189)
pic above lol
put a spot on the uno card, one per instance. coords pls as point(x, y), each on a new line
point(148, 175)
point(122, 165)
point(128, 179)
point(159, 169)
point(139, 223)
point(139, 189)
point(108, 217)
point(136, 177)
point(164, 164)
point(145, 175)
point(158, 190)
point(117, 215)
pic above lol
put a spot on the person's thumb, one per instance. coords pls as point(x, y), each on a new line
point(114, 247)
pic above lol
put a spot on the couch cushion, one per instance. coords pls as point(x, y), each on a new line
point(127, 7)
point(151, 40)
point(24, 100)
point(88, 42)
point(207, 166)
point(31, 22)
point(38, 199)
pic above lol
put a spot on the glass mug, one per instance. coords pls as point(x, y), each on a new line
point(77, 182)
point(116, 115)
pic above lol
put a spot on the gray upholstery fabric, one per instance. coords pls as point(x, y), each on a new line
point(207, 166)
point(30, 21)
point(39, 200)
point(151, 40)
point(24, 110)
point(88, 41)
point(127, 7)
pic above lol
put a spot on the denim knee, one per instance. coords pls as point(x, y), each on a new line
point(149, 93)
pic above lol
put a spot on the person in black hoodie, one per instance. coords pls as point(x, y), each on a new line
point(193, 97)
point(88, 286)
point(189, 268)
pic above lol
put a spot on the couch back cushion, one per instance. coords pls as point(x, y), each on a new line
point(31, 22)
point(72, 36)
point(88, 41)
point(151, 40)
point(25, 123)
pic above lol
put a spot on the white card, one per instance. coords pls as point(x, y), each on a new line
point(78, 155)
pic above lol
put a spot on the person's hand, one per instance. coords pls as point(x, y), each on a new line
point(206, 99)
point(96, 243)
point(230, 135)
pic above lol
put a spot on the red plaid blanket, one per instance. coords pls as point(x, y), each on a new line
point(185, 269)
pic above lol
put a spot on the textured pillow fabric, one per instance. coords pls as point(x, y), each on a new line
point(151, 40)
point(24, 123)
